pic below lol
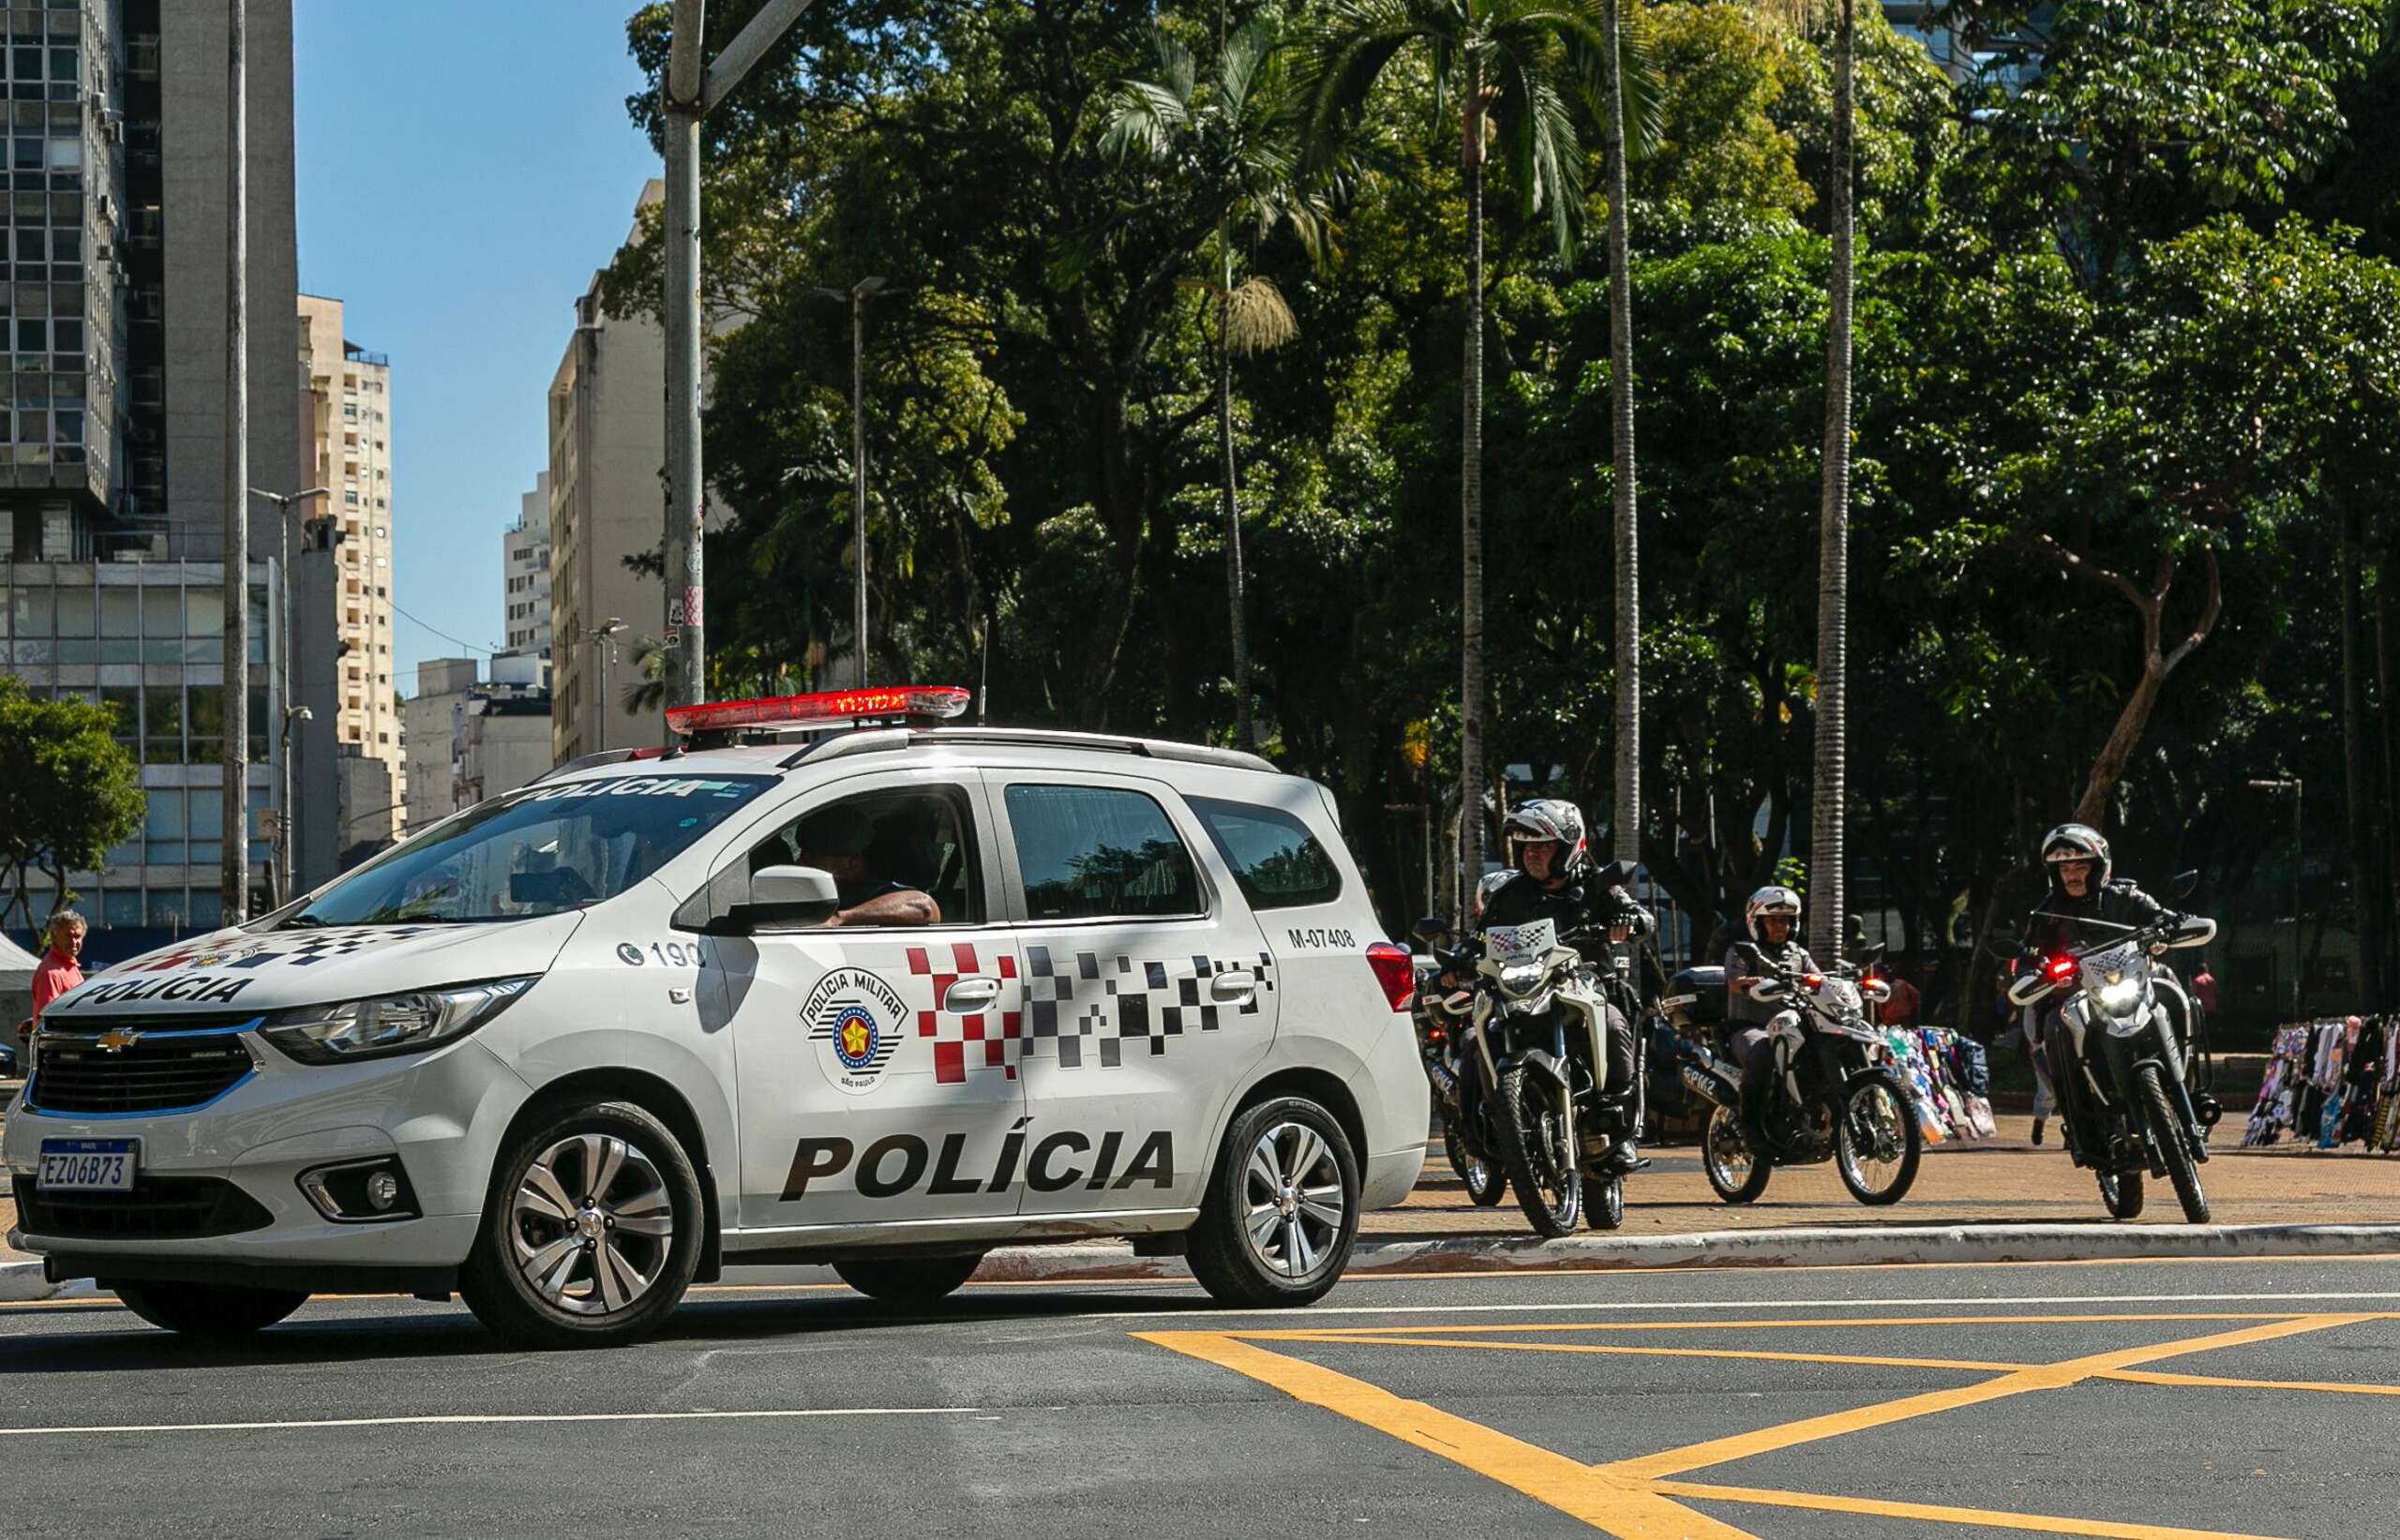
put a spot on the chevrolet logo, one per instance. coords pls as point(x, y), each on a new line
point(116, 1040)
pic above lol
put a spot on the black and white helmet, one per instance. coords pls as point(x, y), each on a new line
point(1773, 899)
point(2076, 842)
point(1543, 820)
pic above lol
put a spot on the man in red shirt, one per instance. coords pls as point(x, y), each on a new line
point(1900, 1009)
point(59, 970)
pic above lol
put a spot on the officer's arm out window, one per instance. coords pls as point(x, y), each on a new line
point(1277, 864)
point(1095, 852)
point(897, 858)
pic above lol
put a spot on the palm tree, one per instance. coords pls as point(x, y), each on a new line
point(1236, 147)
point(648, 693)
point(1510, 66)
point(1626, 820)
point(1827, 897)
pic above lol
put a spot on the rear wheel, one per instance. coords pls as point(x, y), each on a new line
point(592, 1231)
point(1736, 1171)
point(1541, 1168)
point(1878, 1142)
point(909, 1280)
point(208, 1309)
point(2120, 1192)
point(1486, 1184)
point(2166, 1127)
point(1282, 1208)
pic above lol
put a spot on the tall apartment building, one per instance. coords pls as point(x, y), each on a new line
point(113, 436)
point(525, 573)
point(347, 413)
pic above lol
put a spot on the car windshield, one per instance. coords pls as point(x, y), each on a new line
point(537, 852)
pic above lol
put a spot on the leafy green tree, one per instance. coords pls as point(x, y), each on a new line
point(67, 791)
point(1512, 67)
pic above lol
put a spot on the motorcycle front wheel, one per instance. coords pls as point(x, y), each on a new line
point(2166, 1128)
point(1604, 1207)
point(2120, 1192)
point(1485, 1183)
point(1542, 1169)
point(1738, 1172)
point(1878, 1142)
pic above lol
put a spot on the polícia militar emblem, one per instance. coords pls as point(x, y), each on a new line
point(854, 1019)
point(855, 1037)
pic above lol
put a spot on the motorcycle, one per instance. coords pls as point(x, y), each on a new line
point(2140, 1118)
point(1442, 1017)
point(1531, 1078)
point(1837, 1096)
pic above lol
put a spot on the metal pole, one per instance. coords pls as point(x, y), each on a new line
point(2299, 859)
point(686, 639)
point(858, 471)
point(283, 662)
point(234, 871)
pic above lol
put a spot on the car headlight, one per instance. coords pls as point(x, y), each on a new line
point(2121, 997)
point(1521, 977)
point(389, 1024)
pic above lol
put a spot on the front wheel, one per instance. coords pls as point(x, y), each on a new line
point(1282, 1208)
point(1878, 1144)
point(208, 1309)
point(909, 1280)
point(2120, 1192)
point(592, 1231)
point(1550, 1188)
point(1605, 1209)
point(1485, 1183)
point(1736, 1171)
point(2167, 1129)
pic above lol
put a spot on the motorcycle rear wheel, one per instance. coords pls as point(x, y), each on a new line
point(2120, 1192)
point(1548, 1186)
point(1486, 1183)
point(2166, 1128)
point(1736, 1171)
point(1876, 1110)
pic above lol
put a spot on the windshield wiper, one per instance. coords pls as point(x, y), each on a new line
point(301, 922)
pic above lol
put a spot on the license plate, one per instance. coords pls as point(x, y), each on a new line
point(88, 1165)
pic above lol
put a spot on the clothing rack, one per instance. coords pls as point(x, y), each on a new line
point(2331, 1082)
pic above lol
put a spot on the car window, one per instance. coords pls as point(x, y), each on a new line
point(917, 839)
point(1276, 862)
point(1095, 852)
point(535, 852)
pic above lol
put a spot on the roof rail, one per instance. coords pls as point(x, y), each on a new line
point(1148, 748)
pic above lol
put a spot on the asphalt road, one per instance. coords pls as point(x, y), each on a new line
point(1821, 1402)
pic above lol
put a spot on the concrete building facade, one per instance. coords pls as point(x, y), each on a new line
point(525, 573)
point(471, 738)
point(113, 397)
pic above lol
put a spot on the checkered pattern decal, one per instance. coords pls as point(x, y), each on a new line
point(994, 1035)
point(256, 955)
point(1080, 1000)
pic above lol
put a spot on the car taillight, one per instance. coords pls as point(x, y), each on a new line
point(1394, 972)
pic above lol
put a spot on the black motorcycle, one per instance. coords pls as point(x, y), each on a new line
point(1443, 1015)
point(2122, 1099)
point(1836, 1097)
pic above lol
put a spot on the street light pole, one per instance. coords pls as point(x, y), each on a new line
point(689, 92)
point(283, 506)
point(2298, 788)
point(234, 873)
point(857, 296)
point(604, 633)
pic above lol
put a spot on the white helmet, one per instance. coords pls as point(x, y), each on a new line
point(2076, 842)
point(1541, 820)
point(1773, 899)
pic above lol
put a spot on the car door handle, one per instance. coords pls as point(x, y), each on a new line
point(1236, 985)
point(971, 996)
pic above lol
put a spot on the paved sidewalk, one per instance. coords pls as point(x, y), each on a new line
point(2006, 1180)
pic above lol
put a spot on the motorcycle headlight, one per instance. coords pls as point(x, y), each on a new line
point(2121, 997)
point(1519, 976)
point(389, 1024)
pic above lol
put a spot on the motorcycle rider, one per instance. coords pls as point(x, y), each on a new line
point(1553, 880)
point(2081, 888)
point(1772, 916)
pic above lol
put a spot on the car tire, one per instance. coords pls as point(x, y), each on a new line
point(207, 1309)
point(558, 1264)
point(1269, 1233)
point(909, 1280)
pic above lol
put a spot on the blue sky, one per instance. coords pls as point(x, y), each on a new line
point(464, 166)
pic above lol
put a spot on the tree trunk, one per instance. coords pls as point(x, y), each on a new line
point(1625, 823)
point(1827, 897)
point(2390, 893)
point(1472, 706)
point(2366, 900)
point(1243, 737)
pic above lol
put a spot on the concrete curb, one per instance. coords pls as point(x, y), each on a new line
point(1884, 1246)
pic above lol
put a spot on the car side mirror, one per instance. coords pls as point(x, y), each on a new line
point(2180, 885)
point(785, 896)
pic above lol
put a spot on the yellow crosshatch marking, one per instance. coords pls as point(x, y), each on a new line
point(1636, 1498)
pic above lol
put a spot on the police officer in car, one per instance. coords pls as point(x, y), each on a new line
point(1553, 880)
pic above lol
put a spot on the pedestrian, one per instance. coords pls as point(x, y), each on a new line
point(1899, 1008)
point(61, 968)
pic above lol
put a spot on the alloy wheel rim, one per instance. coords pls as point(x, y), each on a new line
point(591, 1224)
point(1294, 1200)
point(1872, 1143)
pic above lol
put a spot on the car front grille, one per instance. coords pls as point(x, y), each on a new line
point(132, 1064)
point(157, 1208)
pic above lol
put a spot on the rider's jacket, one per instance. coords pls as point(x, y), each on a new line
point(1575, 905)
point(1740, 1009)
point(2056, 923)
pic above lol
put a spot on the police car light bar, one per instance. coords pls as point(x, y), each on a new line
point(821, 708)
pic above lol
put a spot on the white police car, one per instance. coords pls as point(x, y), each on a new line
point(834, 983)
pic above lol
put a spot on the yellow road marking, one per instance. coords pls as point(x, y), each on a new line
point(1631, 1351)
point(1619, 1507)
point(2056, 1376)
point(1272, 1334)
point(2146, 1377)
point(1932, 1513)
